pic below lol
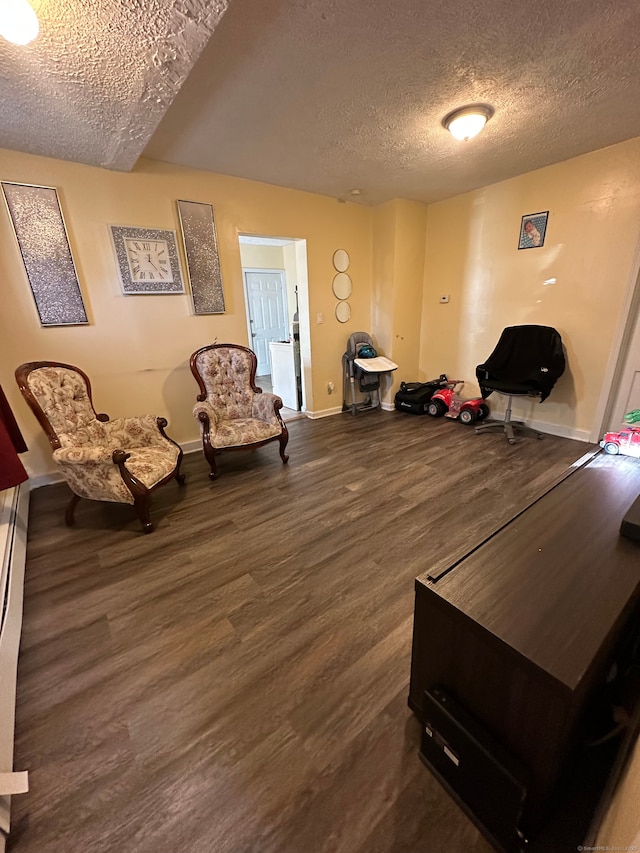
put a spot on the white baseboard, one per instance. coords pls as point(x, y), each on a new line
point(45, 480)
point(191, 446)
point(561, 430)
point(324, 413)
point(338, 410)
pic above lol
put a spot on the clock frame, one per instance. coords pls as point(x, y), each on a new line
point(147, 260)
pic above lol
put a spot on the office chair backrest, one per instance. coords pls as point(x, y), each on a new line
point(527, 356)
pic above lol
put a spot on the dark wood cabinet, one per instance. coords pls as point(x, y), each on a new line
point(522, 631)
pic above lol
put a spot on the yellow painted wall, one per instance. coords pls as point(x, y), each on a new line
point(290, 261)
point(384, 253)
point(261, 257)
point(136, 348)
point(590, 245)
point(398, 261)
point(408, 290)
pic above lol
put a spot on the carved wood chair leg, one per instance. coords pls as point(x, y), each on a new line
point(179, 477)
point(141, 505)
point(210, 456)
point(71, 508)
point(284, 438)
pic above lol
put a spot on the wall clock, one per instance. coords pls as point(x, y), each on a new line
point(147, 259)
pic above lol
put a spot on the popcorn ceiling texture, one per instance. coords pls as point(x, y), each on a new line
point(95, 83)
point(325, 95)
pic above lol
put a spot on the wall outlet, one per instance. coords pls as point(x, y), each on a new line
point(444, 298)
point(319, 317)
point(331, 387)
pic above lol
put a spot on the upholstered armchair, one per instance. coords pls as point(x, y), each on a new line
point(233, 413)
point(122, 460)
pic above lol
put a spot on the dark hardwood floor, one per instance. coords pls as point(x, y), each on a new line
point(237, 680)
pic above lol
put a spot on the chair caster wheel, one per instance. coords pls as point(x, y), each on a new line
point(512, 441)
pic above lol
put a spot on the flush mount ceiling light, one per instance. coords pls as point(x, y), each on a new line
point(467, 122)
point(18, 21)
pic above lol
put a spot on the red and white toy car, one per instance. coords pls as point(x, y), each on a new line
point(627, 442)
point(446, 402)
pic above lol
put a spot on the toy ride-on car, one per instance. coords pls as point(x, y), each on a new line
point(446, 402)
point(627, 442)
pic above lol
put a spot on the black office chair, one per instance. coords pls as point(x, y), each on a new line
point(527, 362)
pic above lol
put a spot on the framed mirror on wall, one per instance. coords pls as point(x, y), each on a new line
point(41, 234)
point(343, 312)
point(342, 286)
point(341, 260)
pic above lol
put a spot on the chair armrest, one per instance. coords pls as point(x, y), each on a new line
point(135, 431)
point(266, 407)
point(83, 455)
point(205, 413)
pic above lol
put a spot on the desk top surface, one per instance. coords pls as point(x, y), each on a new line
point(555, 580)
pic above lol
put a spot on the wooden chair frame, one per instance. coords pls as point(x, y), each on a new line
point(212, 452)
point(140, 493)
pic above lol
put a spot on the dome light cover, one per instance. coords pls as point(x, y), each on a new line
point(467, 122)
point(18, 21)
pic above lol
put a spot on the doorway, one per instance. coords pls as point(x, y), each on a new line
point(621, 392)
point(267, 315)
point(626, 397)
point(274, 271)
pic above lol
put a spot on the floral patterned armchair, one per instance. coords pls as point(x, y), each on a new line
point(233, 413)
point(122, 460)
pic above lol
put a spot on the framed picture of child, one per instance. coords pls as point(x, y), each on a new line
point(532, 230)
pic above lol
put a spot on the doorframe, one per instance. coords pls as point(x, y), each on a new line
point(629, 316)
point(283, 276)
point(304, 314)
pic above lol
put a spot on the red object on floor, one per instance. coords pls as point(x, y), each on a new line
point(11, 443)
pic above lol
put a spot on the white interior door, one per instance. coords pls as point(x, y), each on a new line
point(627, 397)
point(266, 296)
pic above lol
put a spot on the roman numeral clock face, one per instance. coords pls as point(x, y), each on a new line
point(148, 260)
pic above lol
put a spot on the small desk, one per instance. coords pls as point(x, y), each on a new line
point(522, 630)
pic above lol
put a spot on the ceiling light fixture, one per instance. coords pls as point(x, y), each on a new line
point(467, 122)
point(18, 21)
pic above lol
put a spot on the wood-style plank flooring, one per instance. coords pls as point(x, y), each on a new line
point(237, 680)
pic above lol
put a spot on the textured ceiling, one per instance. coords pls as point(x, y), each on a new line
point(328, 96)
point(95, 83)
point(325, 96)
